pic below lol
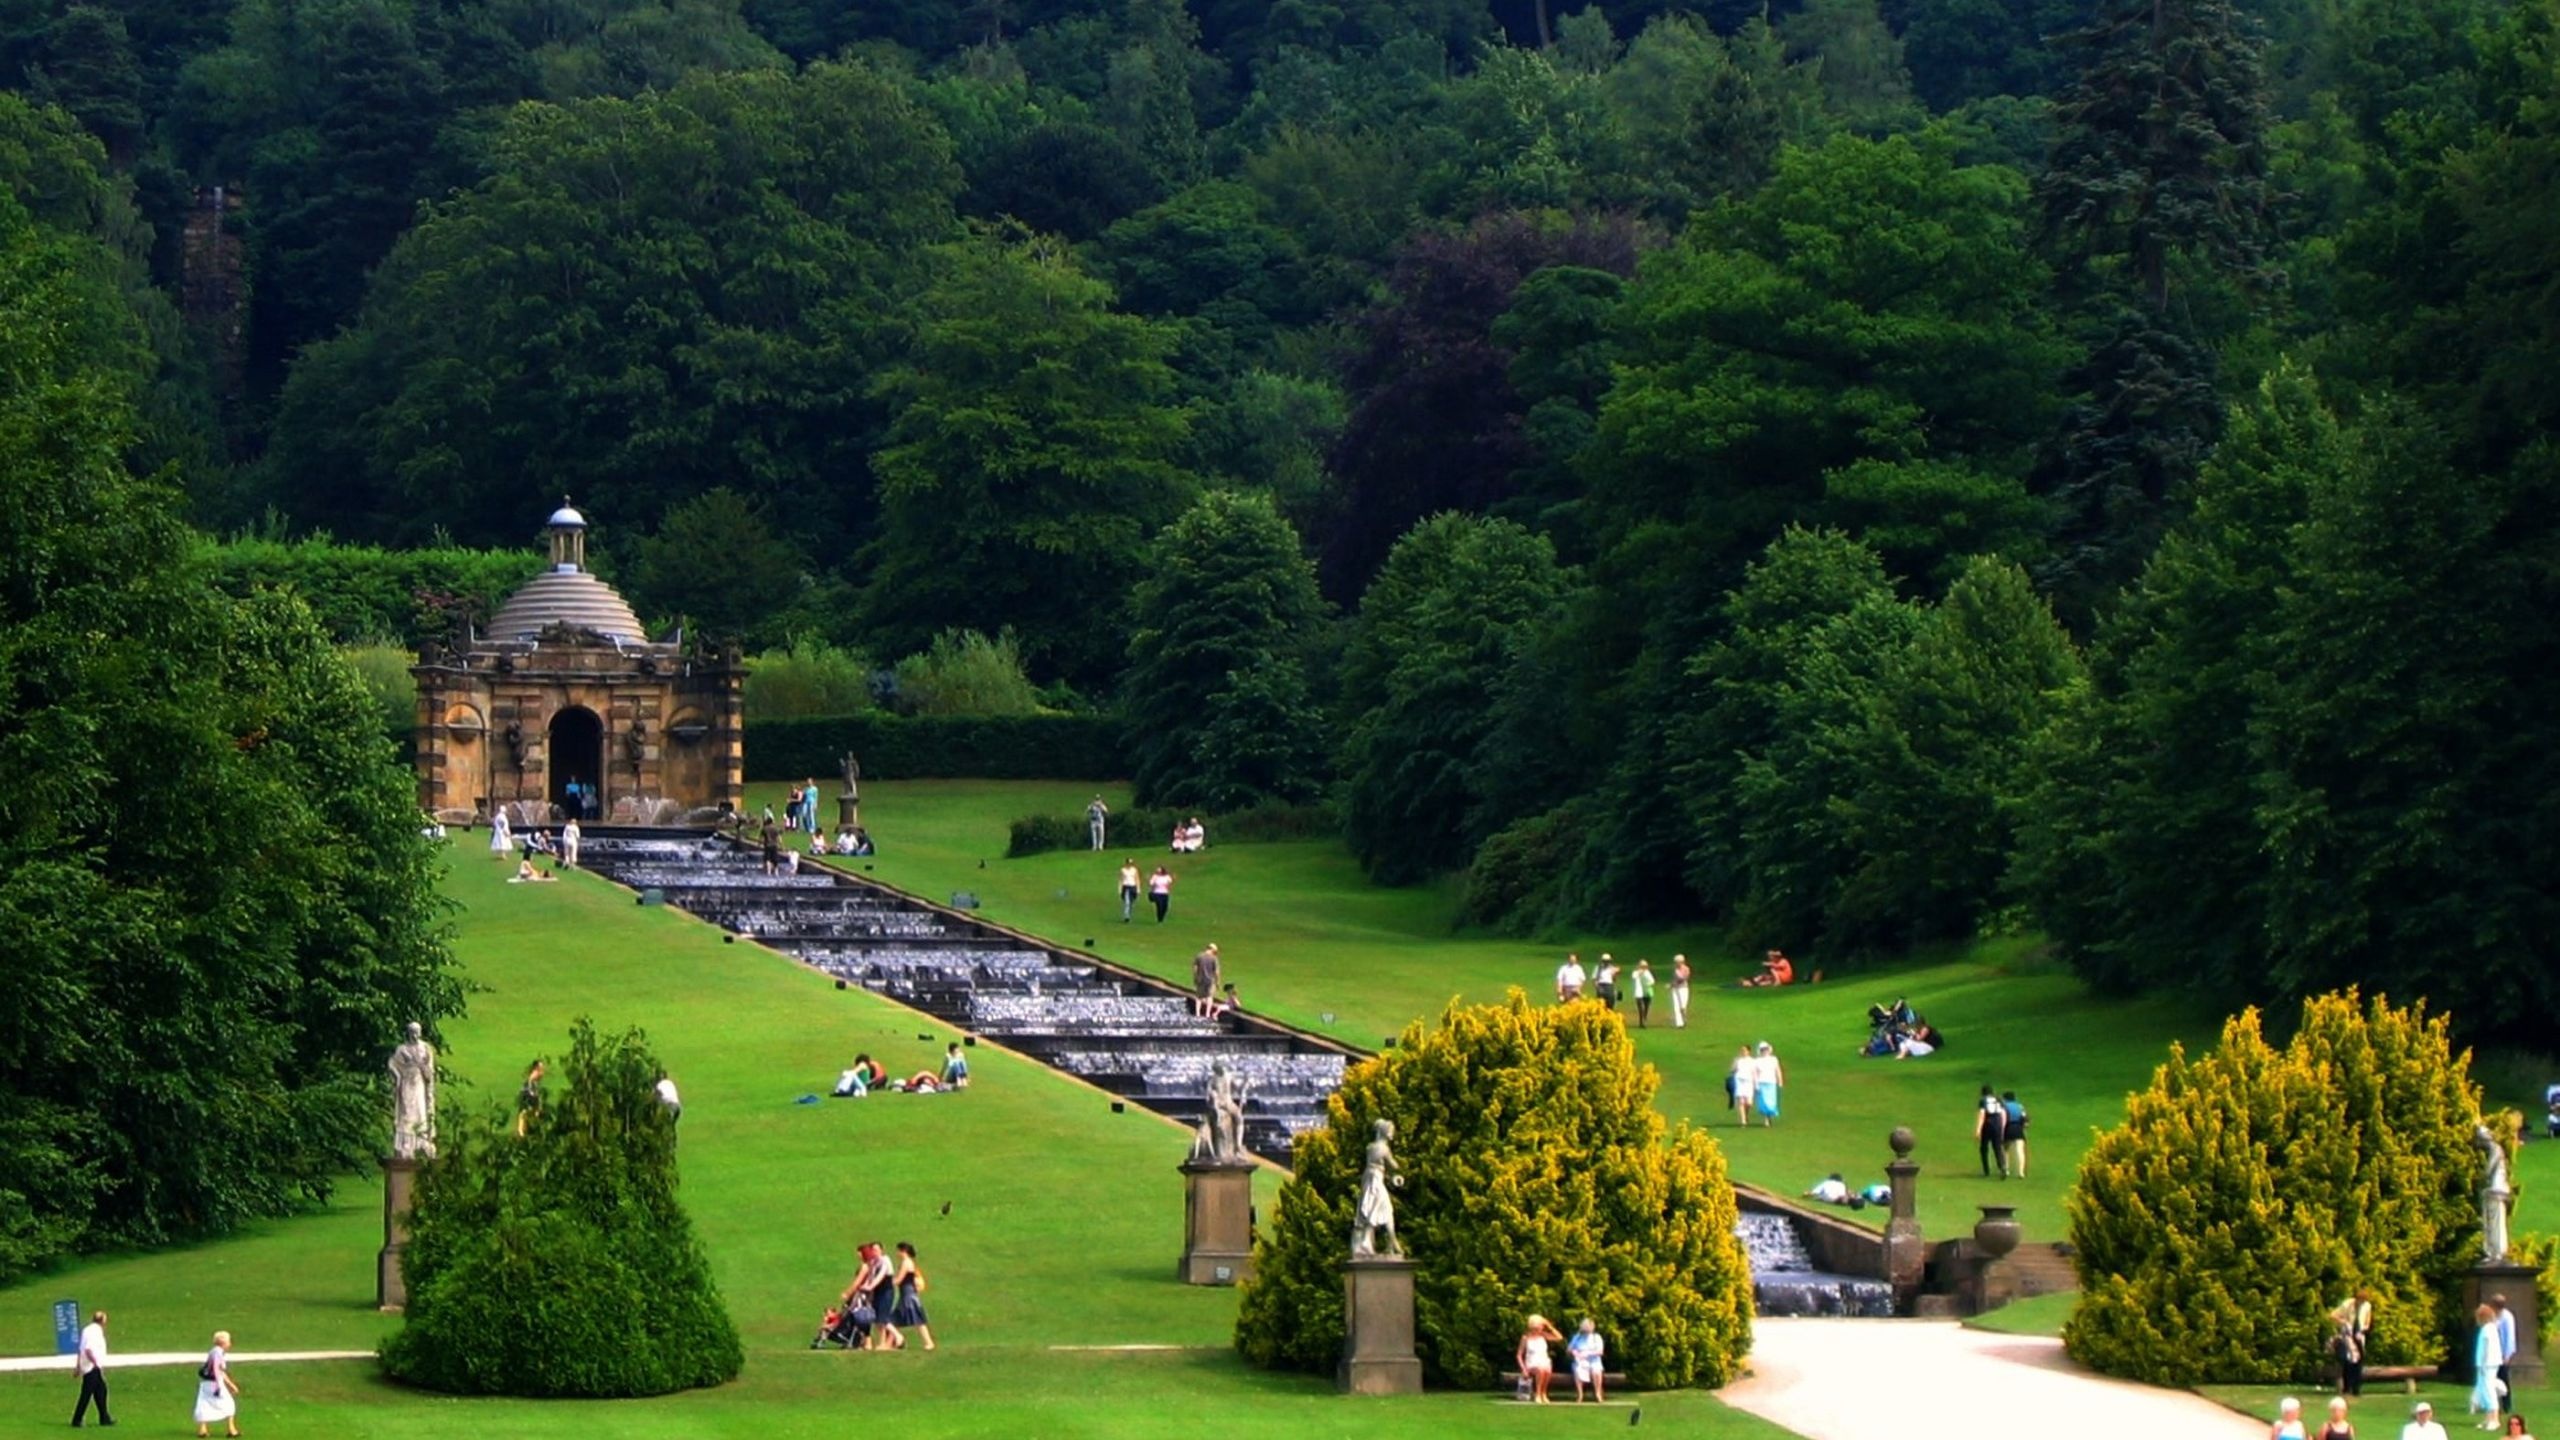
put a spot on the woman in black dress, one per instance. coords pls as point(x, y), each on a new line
point(908, 1312)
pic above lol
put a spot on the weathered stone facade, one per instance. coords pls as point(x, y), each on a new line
point(564, 687)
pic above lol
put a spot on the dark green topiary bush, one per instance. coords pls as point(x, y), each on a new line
point(559, 1263)
point(1539, 1177)
point(2252, 1189)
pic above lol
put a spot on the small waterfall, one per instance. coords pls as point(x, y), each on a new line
point(1773, 1244)
point(1785, 1281)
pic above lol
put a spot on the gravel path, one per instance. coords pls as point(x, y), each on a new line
point(1920, 1379)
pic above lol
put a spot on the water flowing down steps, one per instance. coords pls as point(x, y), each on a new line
point(1128, 1033)
point(1786, 1281)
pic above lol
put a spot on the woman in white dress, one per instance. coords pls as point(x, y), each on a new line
point(1537, 1365)
point(217, 1394)
point(501, 836)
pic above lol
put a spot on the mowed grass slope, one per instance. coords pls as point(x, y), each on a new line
point(1308, 940)
point(1064, 1225)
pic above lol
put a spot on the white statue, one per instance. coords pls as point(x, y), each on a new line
point(413, 1097)
point(2494, 1198)
point(1377, 1210)
point(1222, 1136)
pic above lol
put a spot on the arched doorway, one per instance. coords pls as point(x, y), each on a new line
point(577, 754)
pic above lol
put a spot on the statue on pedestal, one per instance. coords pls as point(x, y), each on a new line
point(1222, 1134)
point(849, 799)
point(2494, 1198)
point(413, 1097)
point(1376, 1211)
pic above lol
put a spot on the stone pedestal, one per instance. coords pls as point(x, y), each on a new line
point(2515, 1281)
point(1217, 1227)
point(1906, 1250)
point(399, 1182)
point(848, 812)
point(1377, 1326)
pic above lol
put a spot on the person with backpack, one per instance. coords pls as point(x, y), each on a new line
point(1991, 1133)
point(2015, 1130)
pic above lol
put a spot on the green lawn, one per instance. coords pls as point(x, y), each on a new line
point(1307, 940)
point(1064, 1225)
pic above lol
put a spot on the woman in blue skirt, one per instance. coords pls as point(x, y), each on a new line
point(908, 1312)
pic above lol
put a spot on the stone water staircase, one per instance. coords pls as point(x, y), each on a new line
point(1130, 1034)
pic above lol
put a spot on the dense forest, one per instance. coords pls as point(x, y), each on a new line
point(1859, 472)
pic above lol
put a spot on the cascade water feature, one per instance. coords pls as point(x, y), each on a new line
point(1129, 1034)
point(1784, 1280)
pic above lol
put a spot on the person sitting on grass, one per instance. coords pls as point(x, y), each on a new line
point(1775, 969)
point(854, 1084)
point(955, 1068)
point(1831, 1190)
point(817, 842)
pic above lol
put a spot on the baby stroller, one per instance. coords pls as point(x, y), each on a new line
point(2551, 1117)
point(847, 1323)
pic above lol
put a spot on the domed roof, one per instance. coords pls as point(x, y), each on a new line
point(566, 517)
point(566, 596)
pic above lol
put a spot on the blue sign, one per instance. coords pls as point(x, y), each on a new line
point(66, 1327)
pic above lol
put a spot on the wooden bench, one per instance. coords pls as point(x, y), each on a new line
point(2407, 1375)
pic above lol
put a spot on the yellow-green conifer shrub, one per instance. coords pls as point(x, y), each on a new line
point(1539, 1178)
point(2251, 1190)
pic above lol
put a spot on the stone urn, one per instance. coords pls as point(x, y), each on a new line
point(1997, 1232)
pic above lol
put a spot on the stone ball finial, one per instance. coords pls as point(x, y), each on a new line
point(1902, 1141)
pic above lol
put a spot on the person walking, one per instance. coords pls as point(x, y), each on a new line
point(1739, 1082)
point(2488, 1359)
point(2337, 1428)
point(1604, 981)
point(2422, 1424)
point(1771, 1079)
point(1679, 992)
point(1128, 889)
point(502, 840)
point(2288, 1424)
point(1204, 981)
point(569, 837)
point(1160, 890)
point(2506, 1345)
point(217, 1394)
point(2013, 1133)
point(772, 847)
point(92, 1365)
point(1640, 985)
point(908, 1312)
point(1569, 978)
point(1097, 818)
point(1991, 1133)
point(1537, 1365)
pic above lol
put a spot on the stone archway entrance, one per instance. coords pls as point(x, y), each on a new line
point(576, 753)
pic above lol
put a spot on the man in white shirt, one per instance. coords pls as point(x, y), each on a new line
point(668, 1097)
point(2506, 1344)
point(1569, 978)
point(2422, 1424)
point(92, 1365)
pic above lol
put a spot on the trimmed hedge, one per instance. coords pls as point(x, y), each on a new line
point(1152, 829)
point(364, 592)
point(939, 747)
